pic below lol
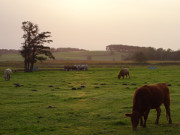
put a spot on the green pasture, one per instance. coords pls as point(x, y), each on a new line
point(45, 103)
point(11, 57)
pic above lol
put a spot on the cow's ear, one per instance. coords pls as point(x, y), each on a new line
point(128, 114)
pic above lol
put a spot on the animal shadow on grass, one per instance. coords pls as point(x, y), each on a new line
point(82, 86)
point(50, 107)
point(166, 125)
point(17, 85)
point(34, 90)
point(73, 88)
point(117, 123)
point(79, 88)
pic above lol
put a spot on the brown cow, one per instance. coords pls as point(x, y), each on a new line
point(149, 97)
point(123, 72)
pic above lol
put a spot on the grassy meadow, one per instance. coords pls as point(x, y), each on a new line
point(89, 102)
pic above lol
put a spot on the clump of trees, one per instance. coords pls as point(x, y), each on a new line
point(142, 54)
point(158, 54)
point(123, 48)
point(33, 48)
point(139, 57)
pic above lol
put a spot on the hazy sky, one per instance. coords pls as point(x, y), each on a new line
point(93, 24)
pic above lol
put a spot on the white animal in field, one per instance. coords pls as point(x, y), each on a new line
point(7, 74)
point(84, 67)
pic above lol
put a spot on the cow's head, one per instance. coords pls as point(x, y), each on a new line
point(134, 119)
point(119, 76)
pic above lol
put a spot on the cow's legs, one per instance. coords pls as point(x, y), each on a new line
point(168, 115)
point(158, 115)
point(141, 122)
point(145, 117)
point(6, 77)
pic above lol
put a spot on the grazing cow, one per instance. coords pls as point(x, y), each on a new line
point(124, 72)
point(7, 74)
point(149, 97)
point(83, 67)
point(76, 67)
point(66, 68)
point(69, 67)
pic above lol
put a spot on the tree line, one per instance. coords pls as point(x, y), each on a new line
point(151, 53)
point(142, 54)
point(63, 49)
point(66, 49)
point(157, 54)
point(8, 51)
point(123, 48)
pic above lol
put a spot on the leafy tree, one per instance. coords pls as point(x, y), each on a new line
point(160, 53)
point(140, 57)
point(33, 48)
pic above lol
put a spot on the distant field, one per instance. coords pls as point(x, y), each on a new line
point(76, 55)
point(45, 104)
point(11, 57)
point(99, 59)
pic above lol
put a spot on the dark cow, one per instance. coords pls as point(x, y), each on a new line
point(149, 97)
point(123, 72)
point(70, 67)
point(76, 67)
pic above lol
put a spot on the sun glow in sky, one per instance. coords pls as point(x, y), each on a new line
point(94, 24)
